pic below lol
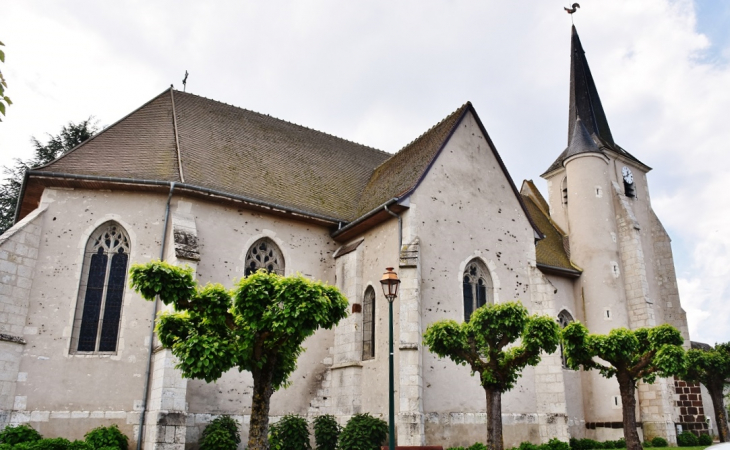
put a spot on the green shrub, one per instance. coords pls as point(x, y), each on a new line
point(221, 434)
point(705, 439)
point(20, 433)
point(6, 447)
point(110, 436)
point(290, 433)
point(659, 442)
point(555, 444)
point(78, 445)
point(363, 432)
point(527, 446)
point(477, 446)
point(687, 439)
point(621, 443)
point(610, 444)
point(51, 444)
point(646, 444)
point(326, 432)
point(589, 444)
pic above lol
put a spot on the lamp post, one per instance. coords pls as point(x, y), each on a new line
point(390, 283)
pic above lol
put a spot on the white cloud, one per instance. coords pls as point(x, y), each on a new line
point(383, 72)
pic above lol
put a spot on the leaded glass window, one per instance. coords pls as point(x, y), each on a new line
point(264, 254)
point(368, 324)
point(564, 319)
point(477, 287)
point(101, 293)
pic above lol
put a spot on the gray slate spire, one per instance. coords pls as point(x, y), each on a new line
point(584, 100)
point(581, 141)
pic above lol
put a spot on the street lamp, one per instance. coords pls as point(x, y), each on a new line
point(390, 283)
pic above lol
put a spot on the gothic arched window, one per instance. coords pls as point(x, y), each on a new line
point(477, 287)
point(264, 254)
point(564, 319)
point(103, 277)
point(368, 324)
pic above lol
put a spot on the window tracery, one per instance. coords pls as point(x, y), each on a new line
point(477, 287)
point(101, 293)
point(264, 254)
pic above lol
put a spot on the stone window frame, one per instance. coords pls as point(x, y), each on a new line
point(476, 282)
point(369, 300)
point(94, 243)
point(564, 319)
point(564, 191)
point(251, 259)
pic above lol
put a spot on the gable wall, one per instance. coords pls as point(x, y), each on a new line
point(465, 208)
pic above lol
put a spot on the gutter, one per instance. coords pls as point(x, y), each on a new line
point(572, 273)
point(20, 197)
point(140, 433)
point(188, 187)
point(364, 217)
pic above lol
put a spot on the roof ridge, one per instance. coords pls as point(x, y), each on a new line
point(449, 116)
point(285, 121)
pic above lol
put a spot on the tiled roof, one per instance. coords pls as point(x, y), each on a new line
point(140, 146)
point(550, 251)
point(231, 150)
point(402, 172)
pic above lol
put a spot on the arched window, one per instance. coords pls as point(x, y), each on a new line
point(103, 277)
point(564, 318)
point(564, 190)
point(264, 254)
point(368, 324)
point(477, 287)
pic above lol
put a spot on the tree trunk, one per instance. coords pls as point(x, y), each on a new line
point(258, 432)
point(718, 402)
point(628, 405)
point(494, 419)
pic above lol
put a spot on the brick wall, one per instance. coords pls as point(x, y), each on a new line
point(691, 409)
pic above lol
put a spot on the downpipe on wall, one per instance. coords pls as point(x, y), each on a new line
point(140, 433)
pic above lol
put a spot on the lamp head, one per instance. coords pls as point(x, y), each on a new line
point(390, 283)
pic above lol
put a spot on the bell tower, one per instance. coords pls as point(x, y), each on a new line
point(598, 194)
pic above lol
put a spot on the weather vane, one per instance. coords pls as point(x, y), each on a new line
point(185, 80)
point(572, 10)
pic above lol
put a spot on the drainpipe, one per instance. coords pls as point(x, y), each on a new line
point(400, 228)
point(140, 433)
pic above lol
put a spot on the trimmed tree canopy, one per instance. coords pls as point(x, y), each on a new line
point(258, 327)
point(480, 343)
point(712, 368)
point(630, 356)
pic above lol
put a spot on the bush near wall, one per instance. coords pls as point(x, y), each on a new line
point(25, 437)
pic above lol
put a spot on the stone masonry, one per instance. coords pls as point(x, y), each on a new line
point(18, 257)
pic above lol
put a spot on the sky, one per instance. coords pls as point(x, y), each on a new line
point(382, 72)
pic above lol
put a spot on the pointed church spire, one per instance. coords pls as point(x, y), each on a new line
point(584, 101)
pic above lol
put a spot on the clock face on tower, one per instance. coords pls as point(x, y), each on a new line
point(628, 176)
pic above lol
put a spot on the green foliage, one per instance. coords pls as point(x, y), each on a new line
point(477, 446)
point(659, 442)
point(645, 353)
point(687, 439)
point(110, 436)
point(326, 432)
point(555, 444)
point(705, 439)
point(51, 444)
point(483, 339)
point(221, 434)
point(646, 444)
point(21, 433)
point(290, 433)
point(4, 99)
point(527, 446)
point(71, 135)
point(363, 432)
point(266, 317)
point(79, 445)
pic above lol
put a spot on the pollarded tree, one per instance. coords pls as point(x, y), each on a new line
point(630, 356)
point(258, 327)
point(712, 368)
point(480, 344)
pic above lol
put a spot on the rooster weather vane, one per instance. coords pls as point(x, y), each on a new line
point(185, 80)
point(573, 8)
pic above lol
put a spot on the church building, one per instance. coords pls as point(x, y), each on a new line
point(227, 191)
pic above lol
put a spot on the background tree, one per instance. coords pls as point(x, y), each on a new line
point(630, 356)
point(4, 99)
point(258, 327)
point(71, 135)
point(480, 343)
point(712, 368)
